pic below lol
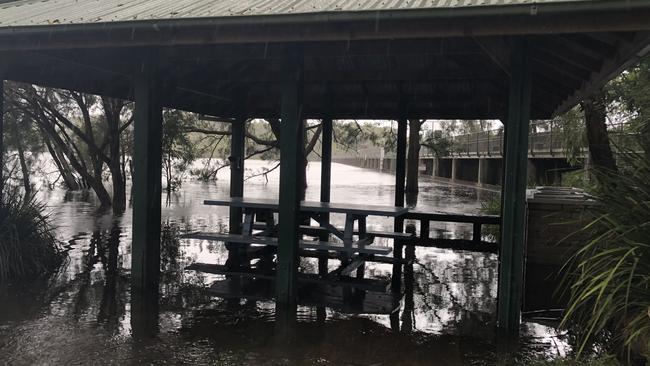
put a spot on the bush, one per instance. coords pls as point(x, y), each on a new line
point(28, 248)
point(608, 280)
point(492, 206)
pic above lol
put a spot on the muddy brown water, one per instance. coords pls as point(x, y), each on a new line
point(83, 315)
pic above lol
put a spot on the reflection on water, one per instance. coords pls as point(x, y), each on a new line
point(86, 314)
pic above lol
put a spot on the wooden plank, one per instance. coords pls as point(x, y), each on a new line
point(311, 206)
point(320, 295)
point(304, 244)
point(440, 216)
point(363, 284)
point(347, 269)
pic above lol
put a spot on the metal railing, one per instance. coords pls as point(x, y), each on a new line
point(547, 141)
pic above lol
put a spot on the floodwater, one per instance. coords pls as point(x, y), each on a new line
point(85, 313)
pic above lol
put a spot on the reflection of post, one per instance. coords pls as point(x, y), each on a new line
point(144, 314)
point(407, 314)
point(285, 322)
point(108, 307)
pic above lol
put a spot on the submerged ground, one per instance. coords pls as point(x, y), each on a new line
point(83, 315)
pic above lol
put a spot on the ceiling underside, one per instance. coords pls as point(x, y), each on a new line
point(443, 78)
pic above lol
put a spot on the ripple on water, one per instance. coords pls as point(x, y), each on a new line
point(84, 314)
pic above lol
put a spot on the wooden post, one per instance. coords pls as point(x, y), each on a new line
point(325, 183)
point(147, 131)
point(2, 149)
point(511, 259)
point(290, 161)
point(400, 180)
point(236, 158)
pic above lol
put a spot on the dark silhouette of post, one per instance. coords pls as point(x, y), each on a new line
point(511, 260)
point(147, 130)
point(325, 184)
point(236, 252)
point(400, 181)
point(290, 163)
point(2, 149)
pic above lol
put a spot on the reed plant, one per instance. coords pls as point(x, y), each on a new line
point(608, 279)
point(28, 247)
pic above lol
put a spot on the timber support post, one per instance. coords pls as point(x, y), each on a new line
point(147, 156)
point(325, 183)
point(290, 164)
point(236, 253)
point(511, 257)
point(400, 181)
point(2, 148)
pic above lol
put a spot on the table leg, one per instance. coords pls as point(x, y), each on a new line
point(347, 239)
point(362, 235)
point(323, 260)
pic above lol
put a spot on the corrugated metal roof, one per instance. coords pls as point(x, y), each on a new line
point(51, 12)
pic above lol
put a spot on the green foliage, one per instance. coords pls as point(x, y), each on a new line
point(178, 150)
point(28, 248)
point(608, 279)
point(492, 206)
point(440, 144)
point(578, 179)
point(574, 136)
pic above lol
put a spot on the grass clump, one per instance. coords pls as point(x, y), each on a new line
point(608, 279)
point(492, 206)
point(28, 247)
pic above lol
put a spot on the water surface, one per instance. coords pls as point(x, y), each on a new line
point(85, 314)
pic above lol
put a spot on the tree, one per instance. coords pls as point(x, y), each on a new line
point(600, 151)
point(66, 123)
point(413, 161)
point(178, 151)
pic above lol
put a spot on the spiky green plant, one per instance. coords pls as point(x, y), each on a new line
point(28, 248)
point(492, 206)
point(608, 279)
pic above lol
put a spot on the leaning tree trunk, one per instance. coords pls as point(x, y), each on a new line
point(112, 110)
point(413, 162)
point(62, 165)
point(600, 151)
point(23, 165)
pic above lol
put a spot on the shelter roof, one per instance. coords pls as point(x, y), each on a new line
point(51, 12)
point(366, 58)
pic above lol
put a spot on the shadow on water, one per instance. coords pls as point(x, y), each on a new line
point(87, 313)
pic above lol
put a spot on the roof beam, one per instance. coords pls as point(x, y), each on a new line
point(626, 56)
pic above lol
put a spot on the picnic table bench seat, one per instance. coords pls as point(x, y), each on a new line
point(315, 230)
point(304, 244)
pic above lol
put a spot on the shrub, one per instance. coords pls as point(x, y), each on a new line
point(492, 206)
point(608, 280)
point(28, 248)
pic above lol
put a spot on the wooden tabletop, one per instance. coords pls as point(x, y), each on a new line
point(310, 206)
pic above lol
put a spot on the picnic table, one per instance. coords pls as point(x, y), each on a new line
point(334, 288)
point(258, 216)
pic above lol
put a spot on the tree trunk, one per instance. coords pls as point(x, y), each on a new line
point(112, 111)
point(62, 165)
point(413, 162)
point(23, 164)
point(595, 110)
